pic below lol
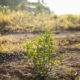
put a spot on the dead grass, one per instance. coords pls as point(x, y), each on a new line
point(24, 21)
point(11, 46)
point(8, 45)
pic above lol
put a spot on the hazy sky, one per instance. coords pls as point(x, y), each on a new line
point(63, 6)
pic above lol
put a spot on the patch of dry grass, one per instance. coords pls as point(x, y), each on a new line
point(24, 21)
point(11, 46)
point(8, 45)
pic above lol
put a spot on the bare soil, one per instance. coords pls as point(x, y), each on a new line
point(15, 67)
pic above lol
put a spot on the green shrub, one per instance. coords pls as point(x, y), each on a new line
point(71, 75)
point(41, 52)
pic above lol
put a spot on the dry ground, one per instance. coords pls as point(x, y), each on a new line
point(16, 68)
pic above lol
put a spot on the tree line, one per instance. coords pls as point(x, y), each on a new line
point(22, 4)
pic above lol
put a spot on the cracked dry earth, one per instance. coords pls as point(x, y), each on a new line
point(16, 67)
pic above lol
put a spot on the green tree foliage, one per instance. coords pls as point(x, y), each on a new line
point(35, 7)
point(40, 8)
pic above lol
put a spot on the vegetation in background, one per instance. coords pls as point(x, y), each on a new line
point(32, 7)
point(41, 54)
point(23, 21)
point(35, 17)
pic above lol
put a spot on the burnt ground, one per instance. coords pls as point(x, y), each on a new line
point(15, 67)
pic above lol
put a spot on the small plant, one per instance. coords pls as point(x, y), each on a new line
point(71, 75)
point(41, 52)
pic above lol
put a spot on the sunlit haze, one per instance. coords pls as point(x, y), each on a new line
point(63, 6)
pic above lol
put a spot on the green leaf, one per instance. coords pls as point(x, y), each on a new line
point(63, 56)
point(26, 57)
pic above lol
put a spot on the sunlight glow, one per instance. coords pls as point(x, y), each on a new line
point(61, 7)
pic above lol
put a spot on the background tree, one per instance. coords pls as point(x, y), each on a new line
point(26, 4)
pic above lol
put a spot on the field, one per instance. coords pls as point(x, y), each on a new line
point(22, 21)
point(17, 28)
